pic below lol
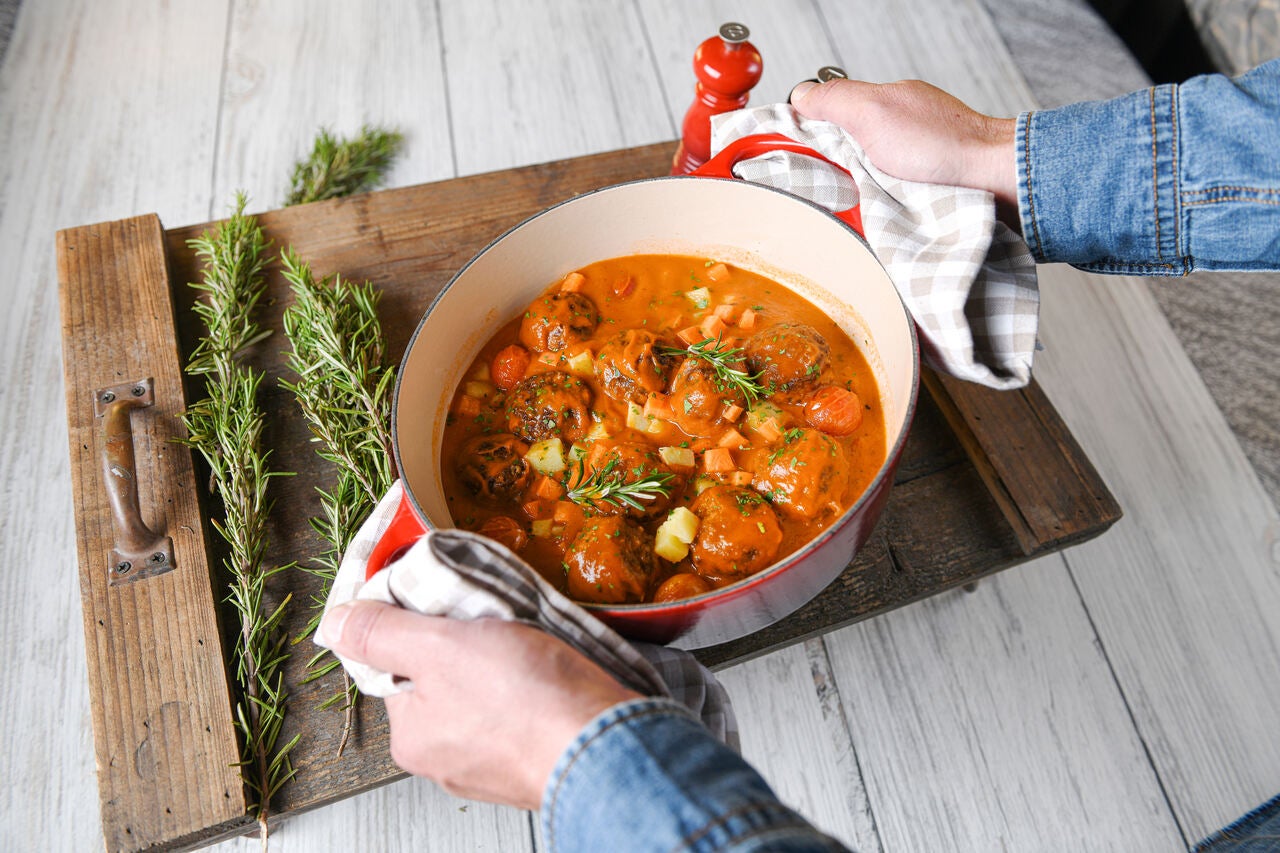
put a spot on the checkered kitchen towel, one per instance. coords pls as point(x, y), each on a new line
point(467, 576)
point(968, 280)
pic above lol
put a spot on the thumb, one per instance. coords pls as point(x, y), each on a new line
point(831, 101)
point(381, 635)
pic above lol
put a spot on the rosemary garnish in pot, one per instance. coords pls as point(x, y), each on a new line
point(226, 428)
point(340, 167)
point(723, 360)
point(344, 389)
point(609, 484)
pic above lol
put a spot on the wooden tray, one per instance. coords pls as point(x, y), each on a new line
point(987, 481)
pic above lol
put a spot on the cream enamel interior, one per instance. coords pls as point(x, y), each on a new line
point(760, 229)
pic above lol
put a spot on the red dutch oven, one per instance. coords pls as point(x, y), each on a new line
point(819, 255)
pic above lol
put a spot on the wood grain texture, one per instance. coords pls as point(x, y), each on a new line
point(163, 728)
point(297, 66)
point(978, 717)
point(85, 139)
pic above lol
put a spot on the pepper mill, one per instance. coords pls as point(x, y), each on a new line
point(727, 66)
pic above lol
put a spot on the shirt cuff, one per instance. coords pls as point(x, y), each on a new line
point(646, 775)
point(1097, 184)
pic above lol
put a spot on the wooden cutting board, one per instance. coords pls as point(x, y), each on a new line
point(987, 480)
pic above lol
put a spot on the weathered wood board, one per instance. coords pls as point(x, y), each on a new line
point(966, 502)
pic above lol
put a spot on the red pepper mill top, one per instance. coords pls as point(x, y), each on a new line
point(727, 66)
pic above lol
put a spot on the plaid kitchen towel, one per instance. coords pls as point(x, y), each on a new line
point(967, 279)
point(464, 575)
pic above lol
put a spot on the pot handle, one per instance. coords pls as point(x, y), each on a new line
point(405, 529)
point(746, 147)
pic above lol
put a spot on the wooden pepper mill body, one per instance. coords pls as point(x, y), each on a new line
point(727, 66)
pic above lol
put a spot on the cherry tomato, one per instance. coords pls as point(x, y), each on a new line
point(506, 530)
point(834, 410)
point(509, 366)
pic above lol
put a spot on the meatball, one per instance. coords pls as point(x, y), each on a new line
point(626, 463)
point(631, 367)
point(610, 561)
point(698, 398)
point(738, 533)
point(805, 476)
point(786, 356)
point(493, 467)
point(558, 320)
point(551, 404)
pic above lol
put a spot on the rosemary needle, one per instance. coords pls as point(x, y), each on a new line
point(722, 359)
point(339, 167)
point(343, 388)
point(226, 428)
point(610, 485)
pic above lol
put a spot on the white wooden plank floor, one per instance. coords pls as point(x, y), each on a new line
point(1120, 696)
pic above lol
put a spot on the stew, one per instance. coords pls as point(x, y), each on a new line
point(656, 426)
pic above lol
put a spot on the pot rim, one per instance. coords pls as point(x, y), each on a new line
point(887, 467)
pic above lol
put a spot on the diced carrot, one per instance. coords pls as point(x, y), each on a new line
point(717, 459)
point(726, 312)
point(718, 272)
point(747, 320)
point(732, 438)
point(740, 478)
point(712, 326)
point(534, 509)
point(658, 406)
point(732, 412)
point(834, 410)
point(769, 430)
point(623, 286)
point(567, 511)
point(509, 366)
point(595, 456)
point(468, 406)
point(691, 335)
point(546, 488)
point(550, 359)
point(573, 282)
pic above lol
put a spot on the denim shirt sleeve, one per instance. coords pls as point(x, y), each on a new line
point(645, 775)
point(1164, 181)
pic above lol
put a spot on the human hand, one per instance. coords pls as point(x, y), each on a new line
point(494, 703)
point(918, 132)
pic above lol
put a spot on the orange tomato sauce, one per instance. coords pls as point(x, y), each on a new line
point(598, 393)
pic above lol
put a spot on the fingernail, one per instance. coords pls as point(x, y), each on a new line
point(334, 620)
point(799, 91)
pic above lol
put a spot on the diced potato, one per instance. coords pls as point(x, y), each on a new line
point(682, 524)
point(582, 364)
point(668, 547)
point(541, 528)
point(638, 420)
point(677, 457)
point(700, 297)
point(477, 389)
point(704, 482)
point(596, 432)
point(577, 450)
point(546, 456)
point(760, 412)
point(480, 372)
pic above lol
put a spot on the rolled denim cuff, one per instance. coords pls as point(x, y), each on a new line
point(1098, 184)
point(646, 775)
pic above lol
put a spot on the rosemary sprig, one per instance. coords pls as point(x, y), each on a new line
point(609, 484)
point(339, 167)
point(344, 389)
point(226, 428)
point(723, 359)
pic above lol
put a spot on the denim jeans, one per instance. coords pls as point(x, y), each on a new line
point(1164, 181)
point(645, 775)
